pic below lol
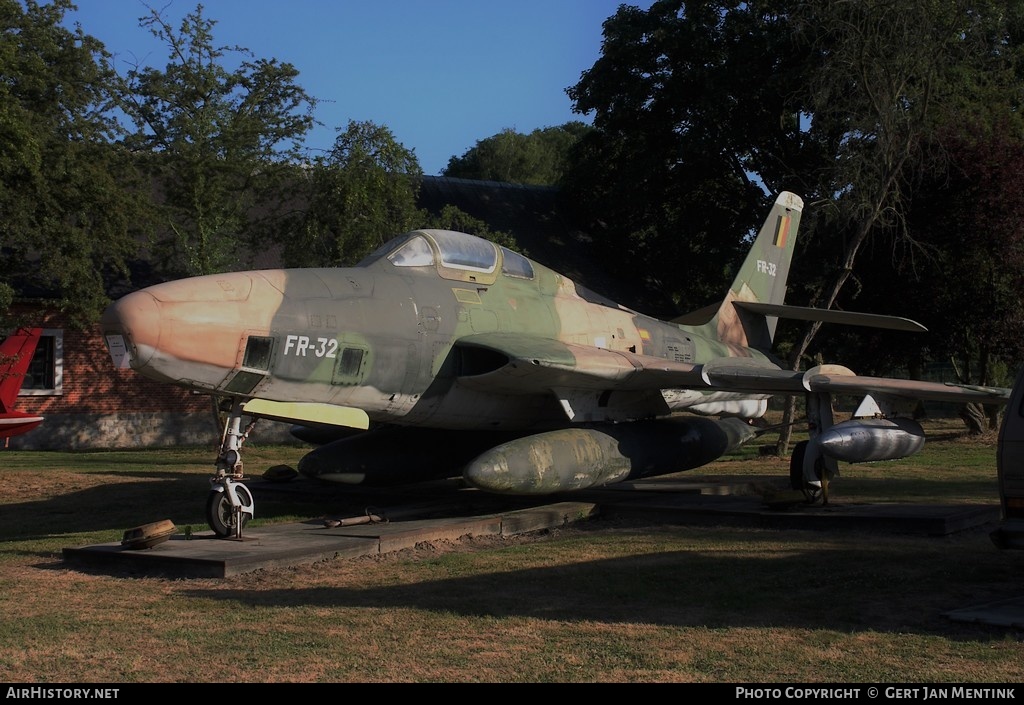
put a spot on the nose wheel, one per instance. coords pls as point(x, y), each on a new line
point(227, 518)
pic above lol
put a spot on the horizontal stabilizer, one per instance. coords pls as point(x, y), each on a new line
point(849, 318)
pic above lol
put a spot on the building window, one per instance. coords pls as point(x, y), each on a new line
point(45, 375)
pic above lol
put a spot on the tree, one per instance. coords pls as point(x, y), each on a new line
point(974, 220)
point(360, 195)
point(694, 108)
point(963, 276)
point(698, 105)
point(65, 192)
point(223, 145)
point(890, 74)
point(539, 158)
point(363, 193)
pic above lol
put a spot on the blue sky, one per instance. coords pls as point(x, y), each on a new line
point(441, 74)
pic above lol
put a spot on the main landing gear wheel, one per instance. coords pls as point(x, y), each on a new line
point(812, 490)
point(221, 516)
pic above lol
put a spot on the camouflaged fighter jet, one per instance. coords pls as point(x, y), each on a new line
point(443, 354)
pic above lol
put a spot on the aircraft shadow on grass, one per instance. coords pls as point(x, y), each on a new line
point(796, 582)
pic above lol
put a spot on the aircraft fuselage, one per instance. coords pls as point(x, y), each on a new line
point(382, 337)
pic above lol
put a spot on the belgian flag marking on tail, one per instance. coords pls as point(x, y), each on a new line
point(781, 231)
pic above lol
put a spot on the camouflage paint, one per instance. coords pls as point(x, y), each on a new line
point(415, 338)
point(447, 332)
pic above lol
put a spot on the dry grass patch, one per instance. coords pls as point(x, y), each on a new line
point(598, 602)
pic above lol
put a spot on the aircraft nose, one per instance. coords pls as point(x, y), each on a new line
point(135, 317)
point(190, 331)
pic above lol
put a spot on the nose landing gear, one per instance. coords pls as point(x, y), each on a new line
point(229, 506)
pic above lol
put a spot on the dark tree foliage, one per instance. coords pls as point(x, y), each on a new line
point(222, 144)
point(66, 195)
point(700, 108)
point(695, 107)
point(976, 224)
point(359, 196)
point(539, 158)
point(963, 276)
point(894, 79)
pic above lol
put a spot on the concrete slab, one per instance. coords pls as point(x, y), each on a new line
point(431, 518)
point(205, 556)
point(927, 520)
point(743, 502)
point(701, 507)
point(1005, 613)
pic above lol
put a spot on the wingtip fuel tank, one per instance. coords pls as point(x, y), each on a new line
point(868, 440)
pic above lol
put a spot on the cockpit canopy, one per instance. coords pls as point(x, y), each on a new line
point(456, 255)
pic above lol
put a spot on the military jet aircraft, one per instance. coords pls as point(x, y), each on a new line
point(443, 354)
point(15, 355)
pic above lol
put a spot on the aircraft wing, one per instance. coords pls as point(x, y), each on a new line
point(852, 384)
point(503, 363)
point(521, 364)
point(728, 374)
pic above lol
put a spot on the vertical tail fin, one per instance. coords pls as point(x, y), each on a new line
point(16, 353)
point(761, 278)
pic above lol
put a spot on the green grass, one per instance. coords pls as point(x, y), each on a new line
point(601, 601)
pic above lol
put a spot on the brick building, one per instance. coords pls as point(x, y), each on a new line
point(88, 403)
